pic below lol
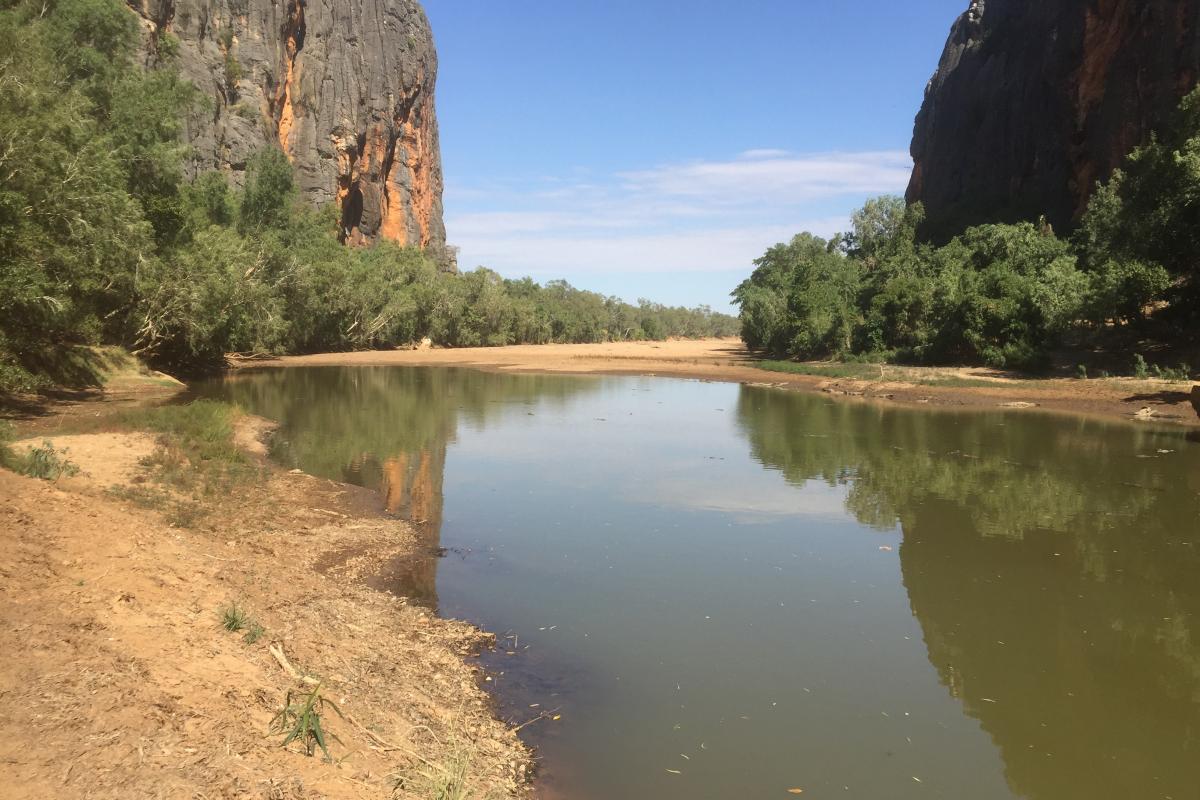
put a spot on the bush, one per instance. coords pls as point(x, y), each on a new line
point(44, 461)
point(998, 294)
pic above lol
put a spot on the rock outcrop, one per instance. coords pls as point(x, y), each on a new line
point(1033, 102)
point(346, 88)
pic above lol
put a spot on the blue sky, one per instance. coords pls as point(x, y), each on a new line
point(654, 148)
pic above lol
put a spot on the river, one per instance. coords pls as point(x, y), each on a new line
point(724, 591)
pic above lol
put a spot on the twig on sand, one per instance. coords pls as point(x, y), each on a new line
point(277, 652)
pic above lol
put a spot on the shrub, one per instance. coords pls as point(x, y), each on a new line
point(1140, 370)
point(44, 461)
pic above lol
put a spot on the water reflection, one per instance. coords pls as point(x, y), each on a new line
point(708, 554)
point(387, 430)
point(1053, 566)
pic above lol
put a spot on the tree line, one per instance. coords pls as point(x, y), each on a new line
point(1001, 294)
point(105, 239)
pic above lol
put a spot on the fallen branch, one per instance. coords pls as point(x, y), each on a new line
point(277, 652)
point(542, 715)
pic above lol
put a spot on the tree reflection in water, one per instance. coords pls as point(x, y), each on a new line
point(1054, 567)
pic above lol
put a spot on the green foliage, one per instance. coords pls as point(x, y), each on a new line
point(90, 155)
point(1019, 289)
point(1140, 370)
point(800, 300)
point(203, 427)
point(102, 239)
point(269, 193)
point(234, 618)
point(1180, 374)
point(997, 294)
point(43, 461)
point(1146, 221)
point(301, 720)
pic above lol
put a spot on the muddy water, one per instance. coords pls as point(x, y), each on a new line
point(733, 592)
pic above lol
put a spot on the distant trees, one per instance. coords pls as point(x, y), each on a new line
point(997, 294)
point(103, 239)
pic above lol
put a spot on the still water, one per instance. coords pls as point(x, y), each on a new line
point(732, 592)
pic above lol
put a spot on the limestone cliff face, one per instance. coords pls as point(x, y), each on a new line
point(1033, 102)
point(346, 87)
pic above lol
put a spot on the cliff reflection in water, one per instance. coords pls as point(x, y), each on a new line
point(1053, 565)
point(387, 429)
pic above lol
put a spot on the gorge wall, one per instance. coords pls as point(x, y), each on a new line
point(1033, 102)
point(345, 87)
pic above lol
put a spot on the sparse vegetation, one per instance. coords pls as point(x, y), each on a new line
point(448, 779)
point(234, 618)
point(43, 461)
point(1180, 374)
point(196, 451)
point(302, 720)
point(152, 498)
point(254, 632)
point(233, 74)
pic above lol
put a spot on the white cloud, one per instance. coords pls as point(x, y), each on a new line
point(702, 216)
point(708, 250)
point(764, 152)
point(790, 178)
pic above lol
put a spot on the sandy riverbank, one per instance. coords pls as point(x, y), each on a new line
point(120, 680)
point(728, 360)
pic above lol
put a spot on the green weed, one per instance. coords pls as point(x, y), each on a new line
point(254, 632)
point(300, 720)
point(196, 449)
point(45, 462)
point(234, 618)
point(1140, 370)
point(1180, 374)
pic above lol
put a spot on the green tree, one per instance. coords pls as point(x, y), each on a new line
point(269, 193)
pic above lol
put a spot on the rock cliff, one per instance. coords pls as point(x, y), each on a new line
point(346, 88)
point(1033, 102)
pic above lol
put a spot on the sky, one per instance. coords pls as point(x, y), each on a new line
point(655, 148)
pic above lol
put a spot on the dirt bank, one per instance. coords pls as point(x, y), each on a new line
point(728, 360)
point(120, 679)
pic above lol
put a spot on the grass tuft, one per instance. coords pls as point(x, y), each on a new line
point(448, 779)
point(234, 618)
point(254, 632)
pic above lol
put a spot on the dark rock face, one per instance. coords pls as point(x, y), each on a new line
point(346, 87)
point(1033, 102)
